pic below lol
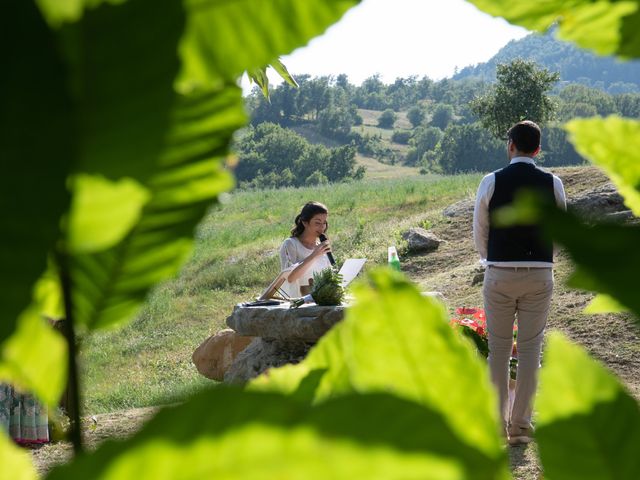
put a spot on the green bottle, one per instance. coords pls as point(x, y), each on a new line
point(394, 261)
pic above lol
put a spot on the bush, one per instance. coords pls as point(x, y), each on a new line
point(387, 119)
point(401, 136)
point(416, 115)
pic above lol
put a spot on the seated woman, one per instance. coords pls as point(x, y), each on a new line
point(303, 253)
point(23, 417)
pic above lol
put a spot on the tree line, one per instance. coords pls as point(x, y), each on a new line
point(454, 125)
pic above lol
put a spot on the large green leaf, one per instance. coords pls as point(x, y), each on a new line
point(223, 39)
point(14, 460)
point(232, 434)
point(110, 285)
point(395, 340)
point(181, 169)
point(36, 150)
point(606, 256)
point(605, 26)
point(35, 358)
point(588, 425)
point(103, 212)
point(612, 143)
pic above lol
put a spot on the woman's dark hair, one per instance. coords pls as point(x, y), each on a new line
point(309, 210)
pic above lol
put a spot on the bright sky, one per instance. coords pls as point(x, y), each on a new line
point(398, 38)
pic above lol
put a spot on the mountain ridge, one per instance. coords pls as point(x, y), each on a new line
point(574, 64)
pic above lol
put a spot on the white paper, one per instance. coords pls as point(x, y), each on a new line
point(350, 269)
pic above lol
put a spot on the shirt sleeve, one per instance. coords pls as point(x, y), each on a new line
point(481, 215)
point(558, 191)
point(288, 255)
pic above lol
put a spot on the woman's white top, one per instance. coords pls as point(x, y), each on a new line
point(292, 253)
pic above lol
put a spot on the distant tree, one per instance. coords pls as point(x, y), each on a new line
point(424, 140)
point(387, 119)
point(272, 157)
point(556, 148)
point(401, 136)
point(336, 122)
point(416, 115)
point(442, 116)
point(316, 178)
point(604, 103)
point(470, 148)
point(628, 104)
point(520, 93)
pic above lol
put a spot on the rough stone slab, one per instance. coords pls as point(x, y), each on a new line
point(306, 324)
point(262, 355)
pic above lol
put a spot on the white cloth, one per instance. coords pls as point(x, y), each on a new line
point(481, 216)
point(292, 252)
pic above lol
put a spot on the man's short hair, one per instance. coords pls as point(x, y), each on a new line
point(525, 135)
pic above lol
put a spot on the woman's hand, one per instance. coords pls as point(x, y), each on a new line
point(321, 249)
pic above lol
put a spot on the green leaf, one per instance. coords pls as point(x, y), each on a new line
point(612, 143)
point(395, 340)
point(266, 436)
point(36, 153)
point(110, 285)
point(122, 77)
point(588, 425)
point(259, 77)
point(606, 256)
point(604, 304)
point(15, 460)
point(103, 212)
point(223, 39)
point(35, 358)
point(607, 27)
point(282, 70)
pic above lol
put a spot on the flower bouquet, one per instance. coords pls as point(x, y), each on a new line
point(472, 322)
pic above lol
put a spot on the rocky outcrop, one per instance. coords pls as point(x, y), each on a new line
point(463, 208)
point(215, 355)
point(262, 355)
point(597, 203)
point(305, 324)
point(420, 240)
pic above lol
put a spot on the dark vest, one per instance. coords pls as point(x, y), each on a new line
point(522, 243)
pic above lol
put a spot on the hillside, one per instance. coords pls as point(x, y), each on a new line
point(148, 363)
point(574, 64)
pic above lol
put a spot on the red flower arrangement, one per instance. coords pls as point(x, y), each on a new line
point(472, 322)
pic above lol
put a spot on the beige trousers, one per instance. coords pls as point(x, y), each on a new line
point(523, 294)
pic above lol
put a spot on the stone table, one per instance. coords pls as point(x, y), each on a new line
point(283, 335)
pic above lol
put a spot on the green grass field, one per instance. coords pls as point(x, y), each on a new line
point(235, 256)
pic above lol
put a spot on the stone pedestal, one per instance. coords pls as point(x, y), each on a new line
point(285, 335)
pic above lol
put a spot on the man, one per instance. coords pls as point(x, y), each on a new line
point(518, 279)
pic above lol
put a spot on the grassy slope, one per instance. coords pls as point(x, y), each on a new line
point(149, 361)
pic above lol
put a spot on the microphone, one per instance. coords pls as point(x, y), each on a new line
point(322, 238)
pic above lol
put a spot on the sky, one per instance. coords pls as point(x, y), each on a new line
point(398, 38)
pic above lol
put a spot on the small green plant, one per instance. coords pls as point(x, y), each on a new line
point(327, 287)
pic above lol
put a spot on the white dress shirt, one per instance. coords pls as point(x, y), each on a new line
point(481, 216)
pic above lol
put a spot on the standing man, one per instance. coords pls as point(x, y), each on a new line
point(518, 280)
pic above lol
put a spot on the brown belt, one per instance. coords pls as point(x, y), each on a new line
point(515, 269)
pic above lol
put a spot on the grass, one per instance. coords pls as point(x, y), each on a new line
point(148, 362)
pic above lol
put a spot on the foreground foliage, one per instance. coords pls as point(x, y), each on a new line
point(138, 143)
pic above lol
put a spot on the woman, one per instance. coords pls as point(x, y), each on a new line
point(23, 417)
point(303, 253)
